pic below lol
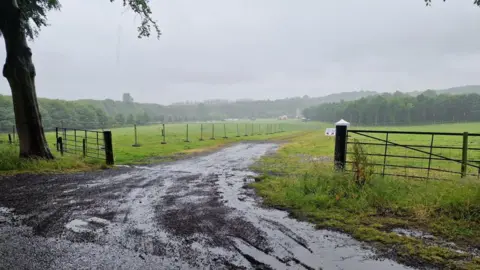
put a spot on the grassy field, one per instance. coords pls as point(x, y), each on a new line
point(151, 149)
point(300, 178)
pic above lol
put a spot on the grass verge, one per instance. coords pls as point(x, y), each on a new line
point(11, 163)
point(299, 179)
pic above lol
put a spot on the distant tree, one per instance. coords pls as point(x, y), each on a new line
point(102, 118)
point(130, 120)
point(120, 119)
point(127, 98)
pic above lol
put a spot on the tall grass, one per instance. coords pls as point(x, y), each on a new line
point(10, 162)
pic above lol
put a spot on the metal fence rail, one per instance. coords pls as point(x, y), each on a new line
point(88, 143)
point(411, 154)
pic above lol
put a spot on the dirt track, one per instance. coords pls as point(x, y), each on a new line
point(190, 214)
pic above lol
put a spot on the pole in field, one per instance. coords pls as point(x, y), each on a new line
point(136, 137)
point(252, 129)
point(213, 132)
point(259, 129)
point(246, 127)
point(163, 134)
point(186, 138)
point(238, 131)
point(201, 132)
point(225, 131)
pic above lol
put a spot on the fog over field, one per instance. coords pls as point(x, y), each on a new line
point(255, 49)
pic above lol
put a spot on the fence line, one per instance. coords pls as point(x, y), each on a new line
point(415, 154)
point(87, 143)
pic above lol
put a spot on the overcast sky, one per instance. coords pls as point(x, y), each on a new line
point(255, 49)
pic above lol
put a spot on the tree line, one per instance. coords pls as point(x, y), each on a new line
point(400, 109)
point(108, 113)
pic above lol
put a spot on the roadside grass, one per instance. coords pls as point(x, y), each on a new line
point(11, 163)
point(151, 149)
point(300, 179)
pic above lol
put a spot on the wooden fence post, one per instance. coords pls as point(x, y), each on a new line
point(238, 131)
point(246, 132)
point(340, 157)
point(164, 134)
point(9, 138)
point(136, 136)
point(464, 154)
point(186, 138)
point(107, 138)
point(225, 131)
point(201, 132)
point(213, 132)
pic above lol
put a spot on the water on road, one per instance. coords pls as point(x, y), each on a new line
point(195, 213)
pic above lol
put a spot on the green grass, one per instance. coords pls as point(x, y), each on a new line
point(151, 149)
point(300, 178)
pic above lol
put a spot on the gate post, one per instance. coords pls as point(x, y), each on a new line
point(340, 157)
point(60, 145)
point(464, 154)
point(107, 138)
point(56, 138)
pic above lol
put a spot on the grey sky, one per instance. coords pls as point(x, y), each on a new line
point(256, 49)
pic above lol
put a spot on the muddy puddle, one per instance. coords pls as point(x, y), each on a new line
point(189, 214)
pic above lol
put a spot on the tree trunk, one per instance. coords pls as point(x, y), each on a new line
point(20, 73)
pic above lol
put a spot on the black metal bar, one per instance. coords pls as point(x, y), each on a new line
point(385, 154)
point(84, 147)
point(98, 147)
point(107, 137)
point(409, 167)
point(75, 139)
point(60, 143)
point(430, 157)
point(340, 147)
point(419, 146)
point(9, 138)
point(56, 138)
point(412, 132)
point(413, 157)
point(418, 150)
point(464, 154)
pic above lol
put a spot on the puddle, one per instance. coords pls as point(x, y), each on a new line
point(189, 214)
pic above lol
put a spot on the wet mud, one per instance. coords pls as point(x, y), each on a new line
point(189, 214)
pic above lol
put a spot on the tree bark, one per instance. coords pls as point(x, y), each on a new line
point(20, 73)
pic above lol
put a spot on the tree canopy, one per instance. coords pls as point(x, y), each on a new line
point(34, 15)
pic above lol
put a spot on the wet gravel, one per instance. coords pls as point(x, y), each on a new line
point(190, 214)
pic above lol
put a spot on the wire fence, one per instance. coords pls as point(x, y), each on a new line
point(87, 143)
point(425, 155)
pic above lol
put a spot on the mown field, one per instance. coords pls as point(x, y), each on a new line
point(300, 178)
point(151, 149)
